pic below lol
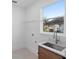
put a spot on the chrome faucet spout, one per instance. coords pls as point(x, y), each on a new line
point(56, 37)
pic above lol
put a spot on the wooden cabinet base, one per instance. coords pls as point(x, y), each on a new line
point(46, 54)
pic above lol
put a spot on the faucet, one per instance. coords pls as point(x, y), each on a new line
point(56, 27)
point(56, 37)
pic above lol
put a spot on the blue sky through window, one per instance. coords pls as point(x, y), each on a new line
point(54, 10)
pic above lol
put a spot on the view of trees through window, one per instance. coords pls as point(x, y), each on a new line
point(53, 16)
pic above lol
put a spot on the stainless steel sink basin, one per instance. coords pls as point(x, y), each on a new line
point(54, 46)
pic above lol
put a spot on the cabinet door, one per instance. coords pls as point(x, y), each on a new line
point(55, 56)
point(42, 56)
point(46, 54)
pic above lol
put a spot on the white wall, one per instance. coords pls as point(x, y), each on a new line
point(17, 27)
point(32, 25)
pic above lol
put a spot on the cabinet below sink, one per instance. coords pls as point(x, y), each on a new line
point(46, 54)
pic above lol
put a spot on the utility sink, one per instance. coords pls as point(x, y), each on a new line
point(54, 46)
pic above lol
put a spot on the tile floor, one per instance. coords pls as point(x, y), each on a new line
point(23, 54)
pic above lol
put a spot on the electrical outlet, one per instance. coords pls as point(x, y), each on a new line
point(32, 34)
point(35, 41)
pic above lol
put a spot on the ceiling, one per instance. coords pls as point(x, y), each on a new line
point(23, 3)
point(26, 3)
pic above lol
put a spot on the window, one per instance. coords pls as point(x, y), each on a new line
point(53, 17)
